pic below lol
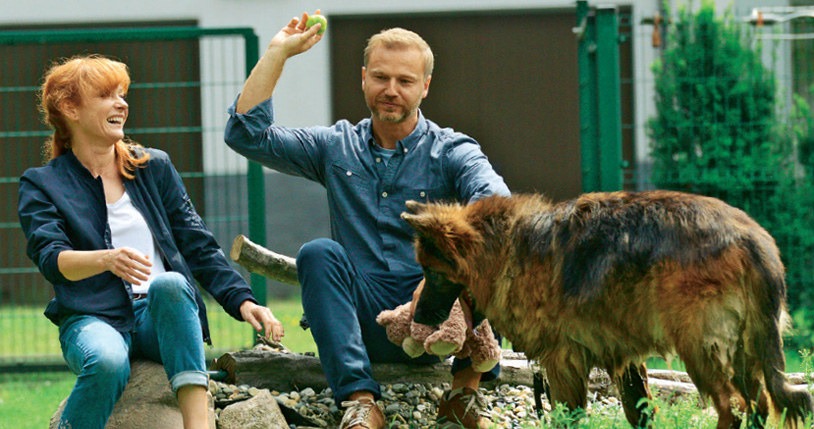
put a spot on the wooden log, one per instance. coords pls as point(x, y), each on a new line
point(798, 378)
point(666, 374)
point(671, 387)
point(286, 371)
point(794, 378)
point(289, 371)
point(259, 260)
point(283, 371)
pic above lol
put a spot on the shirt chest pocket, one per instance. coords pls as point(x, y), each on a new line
point(422, 194)
point(352, 179)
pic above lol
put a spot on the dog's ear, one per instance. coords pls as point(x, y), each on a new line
point(414, 207)
point(420, 222)
point(444, 227)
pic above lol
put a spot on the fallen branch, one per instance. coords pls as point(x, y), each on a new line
point(259, 260)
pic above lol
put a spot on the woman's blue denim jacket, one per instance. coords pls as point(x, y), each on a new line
point(62, 207)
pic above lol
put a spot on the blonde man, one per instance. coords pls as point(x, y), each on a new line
point(369, 170)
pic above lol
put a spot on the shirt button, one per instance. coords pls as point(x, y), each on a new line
point(405, 150)
point(348, 173)
point(384, 194)
point(422, 194)
point(378, 160)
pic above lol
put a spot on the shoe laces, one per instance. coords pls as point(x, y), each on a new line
point(356, 413)
point(473, 401)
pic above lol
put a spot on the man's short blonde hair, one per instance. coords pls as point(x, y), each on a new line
point(399, 38)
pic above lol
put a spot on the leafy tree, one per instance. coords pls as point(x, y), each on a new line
point(718, 132)
point(715, 101)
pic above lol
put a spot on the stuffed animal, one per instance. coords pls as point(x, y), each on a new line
point(451, 337)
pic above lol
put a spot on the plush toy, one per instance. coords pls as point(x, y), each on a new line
point(451, 337)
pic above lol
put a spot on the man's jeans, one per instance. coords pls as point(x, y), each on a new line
point(341, 304)
point(167, 331)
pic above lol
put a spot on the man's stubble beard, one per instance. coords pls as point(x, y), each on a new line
point(391, 117)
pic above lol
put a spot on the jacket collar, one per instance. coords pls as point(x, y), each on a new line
point(74, 164)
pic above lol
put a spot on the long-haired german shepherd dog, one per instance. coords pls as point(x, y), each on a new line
point(609, 279)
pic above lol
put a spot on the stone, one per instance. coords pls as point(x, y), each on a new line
point(259, 412)
point(147, 402)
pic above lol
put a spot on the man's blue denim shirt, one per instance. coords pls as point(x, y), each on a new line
point(366, 195)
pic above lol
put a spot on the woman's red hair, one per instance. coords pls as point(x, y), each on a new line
point(67, 82)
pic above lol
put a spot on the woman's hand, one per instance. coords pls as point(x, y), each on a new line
point(127, 263)
point(262, 319)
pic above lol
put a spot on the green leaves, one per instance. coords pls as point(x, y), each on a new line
point(720, 130)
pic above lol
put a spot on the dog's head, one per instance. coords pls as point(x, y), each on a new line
point(445, 243)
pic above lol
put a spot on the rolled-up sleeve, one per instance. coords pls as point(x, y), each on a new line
point(474, 176)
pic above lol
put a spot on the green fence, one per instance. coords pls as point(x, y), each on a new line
point(183, 80)
point(730, 118)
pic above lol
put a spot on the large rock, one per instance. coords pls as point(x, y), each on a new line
point(147, 402)
point(259, 412)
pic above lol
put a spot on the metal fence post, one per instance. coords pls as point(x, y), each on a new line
point(585, 32)
point(256, 185)
point(608, 98)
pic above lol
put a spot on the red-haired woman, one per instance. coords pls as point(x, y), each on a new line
point(110, 225)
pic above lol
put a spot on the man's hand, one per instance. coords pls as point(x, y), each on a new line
point(262, 319)
point(295, 38)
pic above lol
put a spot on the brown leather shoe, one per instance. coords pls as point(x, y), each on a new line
point(362, 413)
point(463, 408)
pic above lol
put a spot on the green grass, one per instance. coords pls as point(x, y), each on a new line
point(26, 334)
point(28, 400)
point(228, 334)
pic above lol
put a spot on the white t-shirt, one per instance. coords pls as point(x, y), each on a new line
point(129, 229)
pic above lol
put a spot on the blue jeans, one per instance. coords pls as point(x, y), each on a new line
point(341, 304)
point(167, 330)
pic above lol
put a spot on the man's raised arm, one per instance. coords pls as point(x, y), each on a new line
point(293, 39)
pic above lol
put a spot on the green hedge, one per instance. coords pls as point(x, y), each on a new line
point(718, 131)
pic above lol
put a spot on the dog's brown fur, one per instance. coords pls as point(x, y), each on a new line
point(610, 279)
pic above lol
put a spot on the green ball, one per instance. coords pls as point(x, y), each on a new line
point(317, 19)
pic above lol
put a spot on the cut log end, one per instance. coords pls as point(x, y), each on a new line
point(237, 247)
point(258, 260)
point(228, 364)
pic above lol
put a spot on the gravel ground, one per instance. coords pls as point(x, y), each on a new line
point(405, 405)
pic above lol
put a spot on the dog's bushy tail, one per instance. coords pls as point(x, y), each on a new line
point(796, 403)
point(767, 341)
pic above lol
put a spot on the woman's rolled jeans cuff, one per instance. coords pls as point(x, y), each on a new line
point(189, 378)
